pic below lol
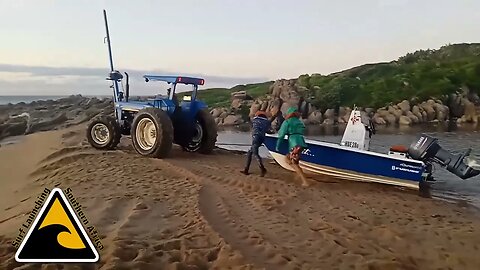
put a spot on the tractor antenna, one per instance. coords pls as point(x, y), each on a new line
point(108, 40)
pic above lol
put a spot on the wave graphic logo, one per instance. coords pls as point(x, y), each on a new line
point(56, 235)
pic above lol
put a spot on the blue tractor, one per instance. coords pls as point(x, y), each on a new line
point(156, 124)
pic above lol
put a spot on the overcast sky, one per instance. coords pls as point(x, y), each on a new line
point(50, 47)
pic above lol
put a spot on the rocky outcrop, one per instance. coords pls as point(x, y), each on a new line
point(405, 113)
point(284, 94)
point(21, 118)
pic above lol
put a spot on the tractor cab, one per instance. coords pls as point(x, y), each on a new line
point(187, 104)
point(184, 113)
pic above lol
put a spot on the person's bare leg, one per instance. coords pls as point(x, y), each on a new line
point(298, 170)
point(300, 173)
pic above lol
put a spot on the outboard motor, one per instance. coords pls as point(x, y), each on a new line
point(427, 149)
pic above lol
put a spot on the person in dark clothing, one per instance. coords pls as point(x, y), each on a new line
point(260, 125)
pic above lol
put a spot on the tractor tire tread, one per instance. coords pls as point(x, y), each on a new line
point(113, 128)
point(163, 123)
point(210, 131)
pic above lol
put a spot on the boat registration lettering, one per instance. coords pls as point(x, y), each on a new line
point(351, 144)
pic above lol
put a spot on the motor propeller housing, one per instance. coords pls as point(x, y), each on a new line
point(427, 149)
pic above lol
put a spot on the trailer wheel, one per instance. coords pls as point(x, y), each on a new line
point(103, 132)
point(152, 133)
point(205, 135)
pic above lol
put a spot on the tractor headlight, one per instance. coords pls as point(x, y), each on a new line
point(187, 98)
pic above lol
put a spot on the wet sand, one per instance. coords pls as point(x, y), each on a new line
point(192, 211)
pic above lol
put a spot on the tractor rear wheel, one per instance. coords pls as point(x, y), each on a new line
point(205, 134)
point(103, 132)
point(152, 133)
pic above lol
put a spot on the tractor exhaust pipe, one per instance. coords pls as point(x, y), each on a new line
point(127, 87)
point(427, 149)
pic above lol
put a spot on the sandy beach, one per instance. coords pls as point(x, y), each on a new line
point(192, 211)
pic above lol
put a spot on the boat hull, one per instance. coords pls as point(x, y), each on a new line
point(352, 164)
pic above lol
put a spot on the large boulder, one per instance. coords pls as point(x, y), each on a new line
point(378, 120)
point(429, 110)
point(390, 119)
point(216, 112)
point(329, 114)
point(404, 106)
point(49, 124)
point(382, 113)
point(328, 121)
point(315, 117)
point(424, 116)
point(282, 87)
point(13, 129)
point(236, 103)
point(242, 95)
point(3, 118)
point(253, 109)
point(218, 121)
point(231, 120)
point(441, 111)
point(223, 115)
point(293, 101)
point(275, 106)
point(470, 113)
point(413, 117)
point(275, 90)
point(391, 109)
point(264, 106)
point(397, 113)
point(405, 120)
point(416, 111)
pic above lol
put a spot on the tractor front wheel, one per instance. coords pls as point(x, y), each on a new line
point(152, 133)
point(205, 134)
point(104, 133)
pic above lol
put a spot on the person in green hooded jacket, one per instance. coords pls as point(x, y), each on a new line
point(294, 128)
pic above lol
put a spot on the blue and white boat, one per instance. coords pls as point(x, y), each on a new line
point(352, 160)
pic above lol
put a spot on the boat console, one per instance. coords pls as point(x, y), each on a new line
point(358, 132)
point(428, 150)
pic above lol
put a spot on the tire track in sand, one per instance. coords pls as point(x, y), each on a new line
point(242, 212)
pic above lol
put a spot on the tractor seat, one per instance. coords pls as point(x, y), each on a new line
point(399, 148)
